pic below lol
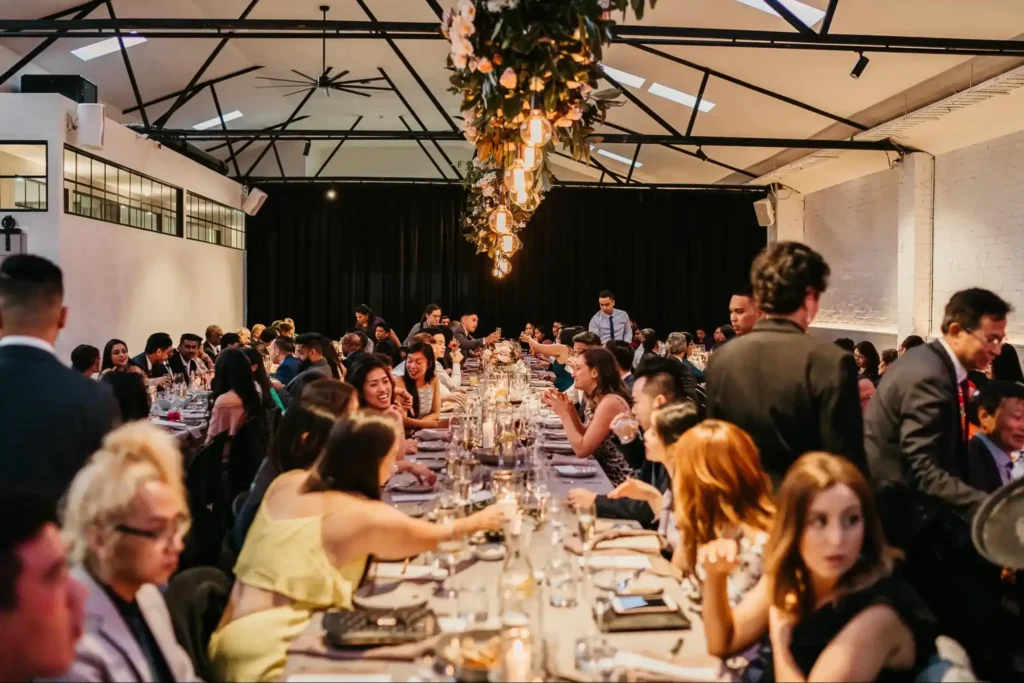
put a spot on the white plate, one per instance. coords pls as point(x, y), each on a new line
point(580, 471)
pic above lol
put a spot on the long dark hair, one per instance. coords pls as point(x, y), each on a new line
point(352, 457)
point(233, 372)
point(1006, 365)
point(302, 434)
point(871, 358)
point(260, 375)
point(131, 395)
point(410, 384)
point(371, 317)
point(108, 349)
point(566, 334)
point(427, 311)
point(357, 378)
point(331, 356)
point(609, 381)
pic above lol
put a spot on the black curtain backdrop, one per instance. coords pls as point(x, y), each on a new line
point(671, 257)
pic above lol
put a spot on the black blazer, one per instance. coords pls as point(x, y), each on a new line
point(51, 420)
point(158, 369)
point(210, 351)
point(791, 392)
point(912, 432)
point(982, 471)
point(653, 473)
point(177, 366)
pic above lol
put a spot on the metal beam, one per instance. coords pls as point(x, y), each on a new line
point(415, 75)
point(696, 105)
point(41, 47)
point(688, 153)
point(790, 18)
point(638, 102)
point(71, 10)
point(128, 67)
point(405, 102)
point(436, 8)
point(750, 86)
point(197, 89)
point(830, 13)
point(632, 164)
point(280, 166)
point(337, 147)
point(224, 126)
point(422, 147)
point(715, 141)
point(162, 121)
point(360, 180)
point(274, 135)
point(601, 167)
point(251, 142)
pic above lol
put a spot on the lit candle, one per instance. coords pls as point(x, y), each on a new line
point(488, 436)
point(517, 662)
point(509, 508)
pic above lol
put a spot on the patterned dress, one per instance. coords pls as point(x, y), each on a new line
point(609, 454)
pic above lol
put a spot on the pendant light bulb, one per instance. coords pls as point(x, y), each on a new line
point(536, 130)
point(500, 221)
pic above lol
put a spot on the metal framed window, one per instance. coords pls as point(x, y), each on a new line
point(105, 191)
point(23, 176)
point(214, 223)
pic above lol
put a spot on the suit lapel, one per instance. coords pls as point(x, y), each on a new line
point(957, 464)
point(111, 626)
point(154, 611)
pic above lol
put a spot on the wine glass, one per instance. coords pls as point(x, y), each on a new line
point(586, 520)
point(625, 427)
point(450, 548)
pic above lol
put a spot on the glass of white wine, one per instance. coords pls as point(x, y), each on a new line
point(450, 548)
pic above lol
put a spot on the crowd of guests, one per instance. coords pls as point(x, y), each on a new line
point(806, 521)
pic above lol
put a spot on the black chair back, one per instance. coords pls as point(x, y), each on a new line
point(245, 455)
point(210, 503)
point(196, 600)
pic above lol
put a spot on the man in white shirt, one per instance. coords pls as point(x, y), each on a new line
point(1000, 418)
point(610, 322)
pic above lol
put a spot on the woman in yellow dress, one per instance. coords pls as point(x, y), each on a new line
point(307, 549)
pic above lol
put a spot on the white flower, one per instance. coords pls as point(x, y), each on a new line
point(462, 47)
point(460, 61)
point(508, 79)
point(462, 27)
point(575, 113)
point(585, 90)
point(446, 21)
point(499, 5)
point(536, 84)
point(467, 9)
point(485, 66)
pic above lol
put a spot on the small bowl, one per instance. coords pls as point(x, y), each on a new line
point(490, 552)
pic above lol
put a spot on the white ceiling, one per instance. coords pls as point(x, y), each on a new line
point(820, 78)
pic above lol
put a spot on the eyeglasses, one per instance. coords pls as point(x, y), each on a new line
point(176, 532)
point(994, 342)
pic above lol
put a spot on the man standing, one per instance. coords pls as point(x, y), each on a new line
point(463, 332)
point(51, 417)
point(183, 360)
point(153, 360)
point(610, 323)
point(212, 346)
point(743, 312)
point(791, 392)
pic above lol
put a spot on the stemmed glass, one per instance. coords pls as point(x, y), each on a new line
point(625, 427)
point(450, 548)
point(586, 519)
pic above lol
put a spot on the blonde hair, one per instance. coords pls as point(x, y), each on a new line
point(257, 330)
point(103, 490)
point(245, 330)
point(788, 585)
point(717, 482)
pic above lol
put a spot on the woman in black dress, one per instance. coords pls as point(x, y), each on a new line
point(829, 601)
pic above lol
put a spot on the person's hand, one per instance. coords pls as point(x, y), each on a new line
point(490, 518)
point(205, 358)
point(780, 628)
point(276, 383)
point(719, 557)
point(557, 401)
point(420, 471)
point(633, 488)
point(492, 337)
point(411, 447)
point(456, 355)
point(581, 498)
point(525, 338)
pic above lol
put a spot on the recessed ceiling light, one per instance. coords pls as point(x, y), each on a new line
point(624, 77)
point(105, 47)
point(230, 116)
point(680, 97)
point(805, 13)
point(616, 157)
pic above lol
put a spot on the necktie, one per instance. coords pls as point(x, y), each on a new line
point(611, 327)
point(1009, 473)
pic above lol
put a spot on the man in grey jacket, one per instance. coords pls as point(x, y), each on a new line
point(464, 329)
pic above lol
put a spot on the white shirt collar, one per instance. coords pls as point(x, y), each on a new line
point(961, 372)
point(22, 340)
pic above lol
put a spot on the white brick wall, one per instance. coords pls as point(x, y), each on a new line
point(979, 225)
point(854, 226)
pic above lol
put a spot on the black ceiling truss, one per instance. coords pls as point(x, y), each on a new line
point(423, 148)
point(790, 18)
point(128, 67)
point(82, 12)
point(361, 180)
point(619, 180)
point(455, 134)
point(337, 147)
point(254, 140)
point(687, 152)
point(198, 88)
point(224, 126)
point(830, 13)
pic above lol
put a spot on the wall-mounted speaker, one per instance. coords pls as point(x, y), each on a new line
point(252, 200)
point(765, 212)
point(91, 123)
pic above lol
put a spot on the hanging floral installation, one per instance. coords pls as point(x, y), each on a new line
point(526, 71)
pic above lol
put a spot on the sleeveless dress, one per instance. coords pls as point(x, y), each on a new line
point(609, 454)
point(284, 556)
point(563, 380)
point(813, 634)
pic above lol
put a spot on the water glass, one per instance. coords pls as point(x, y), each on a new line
point(595, 658)
point(563, 585)
point(474, 606)
point(625, 427)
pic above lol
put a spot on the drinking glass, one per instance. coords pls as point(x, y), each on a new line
point(625, 427)
point(450, 548)
point(595, 658)
point(586, 519)
point(563, 585)
point(474, 606)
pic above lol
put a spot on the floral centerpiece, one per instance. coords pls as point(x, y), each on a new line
point(505, 354)
point(526, 71)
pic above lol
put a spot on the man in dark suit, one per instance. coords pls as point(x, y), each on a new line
point(213, 338)
point(51, 417)
point(183, 359)
point(998, 410)
point(916, 440)
point(153, 361)
point(791, 392)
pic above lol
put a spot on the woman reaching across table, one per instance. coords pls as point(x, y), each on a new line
point(560, 355)
point(829, 601)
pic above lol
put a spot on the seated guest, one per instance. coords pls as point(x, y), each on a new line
point(678, 344)
point(463, 331)
point(268, 335)
point(431, 318)
point(230, 340)
point(353, 347)
point(233, 394)
point(309, 348)
point(605, 396)
point(999, 410)
point(268, 395)
point(723, 334)
point(422, 384)
point(865, 355)
point(153, 359)
point(130, 392)
point(125, 521)
point(297, 443)
point(649, 346)
point(244, 336)
point(40, 604)
point(387, 348)
point(910, 342)
point(436, 339)
point(183, 359)
point(445, 321)
point(846, 344)
point(333, 360)
point(376, 388)
point(116, 358)
point(889, 357)
point(623, 354)
point(257, 330)
point(261, 343)
point(719, 491)
point(584, 340)
point(381, 332)
point(540, 334)
point(310, 543)
point(368, 323)
point(866, 390)
point(560, 354)
point(51, 417)
point(1006, 367)
point(700, 339)
point(556, 329)
point(829, 602)
point(85, 359)
point(211, 347)
point(286, 329)
point(282, 354)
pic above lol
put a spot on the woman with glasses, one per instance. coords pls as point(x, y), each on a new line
point(124, 522)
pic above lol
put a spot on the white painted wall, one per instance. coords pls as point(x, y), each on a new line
point(120, 281)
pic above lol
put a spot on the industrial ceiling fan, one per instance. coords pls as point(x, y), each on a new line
point(325, 81)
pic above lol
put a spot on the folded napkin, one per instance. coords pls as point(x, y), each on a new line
point(433, 446)
point(311, 643)
point(432, 435)
point(655, 564)
point(570, 460)
point(557, 446)
point(638, 541)
point(649, 668)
